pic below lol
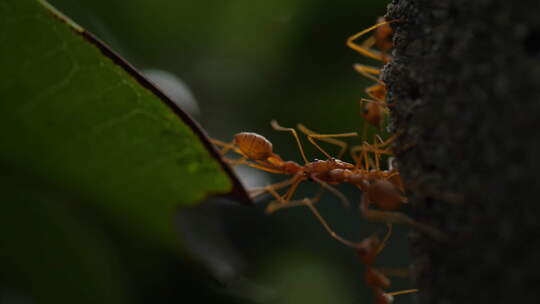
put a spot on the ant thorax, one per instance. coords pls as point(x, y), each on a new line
point(324, 166)
point(253, 145)
point(290, 167)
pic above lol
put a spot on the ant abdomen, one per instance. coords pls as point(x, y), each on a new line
point(253, 145)
point(385, 195)
point(396, 181)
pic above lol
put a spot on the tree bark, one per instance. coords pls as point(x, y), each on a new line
point(465, 89)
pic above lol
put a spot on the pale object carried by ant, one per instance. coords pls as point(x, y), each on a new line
point(381, 188)
point(373, 109)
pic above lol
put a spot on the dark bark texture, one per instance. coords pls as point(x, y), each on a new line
point(465, 84)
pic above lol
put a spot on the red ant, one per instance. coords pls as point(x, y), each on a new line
point(257, 152)
point(367, 251)
point(382, 188)
point(374, 108)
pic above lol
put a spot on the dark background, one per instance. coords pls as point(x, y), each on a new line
point(245, 63)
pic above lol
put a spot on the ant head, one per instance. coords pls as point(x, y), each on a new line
point(385, 194)
point(372, 113)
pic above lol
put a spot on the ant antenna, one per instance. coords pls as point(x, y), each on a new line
point(401, 292)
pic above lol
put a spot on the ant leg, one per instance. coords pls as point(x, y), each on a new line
point(244, 161)
point(292, 189)
point(401, 292)
point(386, 143)
point(329, 138)
point(377, 153)
point(225, 146)
point(379, 102)
point(286, 197)
point(367, 51)
point(258, 191)
point(326, 186)
point(321, 137)
point(370, 148)
point(276, 205)
point(363, 149)
point(340, 143)
point(368, 72)
point(364, 130)
point(277, 127)
point(236, 162)
point(369, 42)
point(359, 154)
point(326, 226)
point(366, 157)
point(283, 201)
point(389, 140)
point(392, 217)
point(385, 239)
point(357, 159)
point(377, 92)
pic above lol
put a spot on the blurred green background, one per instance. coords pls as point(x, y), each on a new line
point(245, 63)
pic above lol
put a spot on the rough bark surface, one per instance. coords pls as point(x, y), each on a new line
point(465, 83)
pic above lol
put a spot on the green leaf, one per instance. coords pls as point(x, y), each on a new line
point(79, 120)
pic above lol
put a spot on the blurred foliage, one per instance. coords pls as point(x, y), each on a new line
point(246, 62)
point(82, 136)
